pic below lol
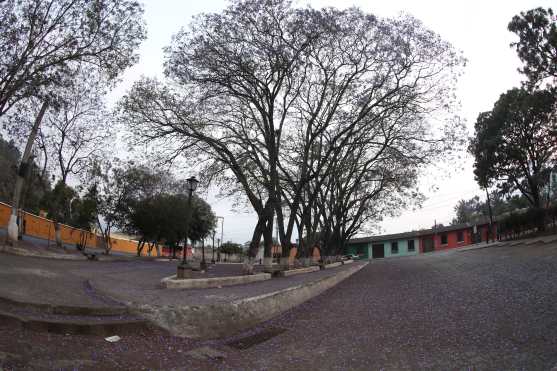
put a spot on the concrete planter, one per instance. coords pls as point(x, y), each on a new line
point(227, 319)
point(285, 263)
point(202, 283)
point(332, 265)
point(292, 272)
point(305, 262)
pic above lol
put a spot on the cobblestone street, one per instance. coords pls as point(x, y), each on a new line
point(486, 309)
point(483, 309)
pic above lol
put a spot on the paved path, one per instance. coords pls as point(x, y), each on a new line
point(86, 283)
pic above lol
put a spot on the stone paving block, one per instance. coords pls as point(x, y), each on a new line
point(206, 352)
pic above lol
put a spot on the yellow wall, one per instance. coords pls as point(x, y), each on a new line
point(37, 226)
point(40, 227)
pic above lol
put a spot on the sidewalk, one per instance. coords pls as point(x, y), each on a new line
point(136, 285)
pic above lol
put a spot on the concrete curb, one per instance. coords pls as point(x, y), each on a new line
point(349, 261)
point(85, 326)
point(292, 272)
point(332, 265)
point(66, 309)
point(226, 319)
point(47, 255)
point(203, 283)
point(534, 241)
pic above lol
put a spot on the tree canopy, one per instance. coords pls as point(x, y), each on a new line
point(230, 247)
point(38, 183)
point(44, 43)
point(474, 209)
point(279, 104)
point(515, 144)
point(537, 45)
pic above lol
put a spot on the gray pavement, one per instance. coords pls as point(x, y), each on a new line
point(483, 309)
point(92, 283)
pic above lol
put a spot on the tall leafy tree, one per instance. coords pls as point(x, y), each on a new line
point(37, 184)
point(110, 187)
point(537, 45)
point(514, 144)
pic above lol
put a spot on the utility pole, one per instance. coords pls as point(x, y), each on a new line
point(221, 235)
point(490, 215)
point(213, 259)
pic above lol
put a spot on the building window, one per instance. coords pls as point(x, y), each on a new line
point(411, 247)
point(394, 247)
point(460, 236)
point(444, 239)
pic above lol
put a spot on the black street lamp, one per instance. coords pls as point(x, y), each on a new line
point(191, 186)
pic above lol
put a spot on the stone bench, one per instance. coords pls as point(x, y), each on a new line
point(203, 283)
point(292, 272)
point(332, 265)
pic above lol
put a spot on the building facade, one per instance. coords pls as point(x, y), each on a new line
point(423, 241)
point(376, 247)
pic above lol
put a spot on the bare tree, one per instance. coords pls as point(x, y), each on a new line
point(275, 97)
point(79, 129)
point(44, 43)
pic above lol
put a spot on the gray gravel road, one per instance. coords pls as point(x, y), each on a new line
point(488, 309)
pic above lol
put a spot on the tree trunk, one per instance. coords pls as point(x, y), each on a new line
point(140, 245)
point(253, 250)
point(13, 229)
point(268, 245)
point(58, 235)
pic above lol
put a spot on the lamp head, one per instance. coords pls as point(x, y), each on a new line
point(192, 183)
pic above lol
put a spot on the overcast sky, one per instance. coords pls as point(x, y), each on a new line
point(477, 28)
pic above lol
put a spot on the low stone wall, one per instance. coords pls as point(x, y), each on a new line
point(332, 265)
point(226, 319)
point(292, 272)
point(204, 283)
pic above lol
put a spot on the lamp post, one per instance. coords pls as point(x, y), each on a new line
point(489, 231)
point(221, 234)
point(191, 186)
point(203, 264)
point(213, 245)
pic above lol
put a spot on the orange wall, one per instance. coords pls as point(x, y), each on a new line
point(40, 227)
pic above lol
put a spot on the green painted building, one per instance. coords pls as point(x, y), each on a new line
point(377, 247)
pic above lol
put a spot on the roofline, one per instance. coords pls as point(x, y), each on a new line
point(419, 233)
